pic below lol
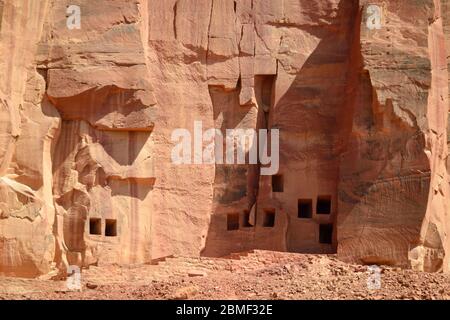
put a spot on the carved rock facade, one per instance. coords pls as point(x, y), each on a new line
point(359, 91)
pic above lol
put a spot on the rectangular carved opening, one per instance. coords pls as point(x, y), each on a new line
point(246, 219)
point(326, 233)
point(323, 205)
point(267, 90)
point(305, 208)
point(269, 218)
point(232, 221)
point(95, 226)
point(277, 183)
point(110, 227)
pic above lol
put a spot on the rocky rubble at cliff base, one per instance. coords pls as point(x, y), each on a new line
point(264, 275)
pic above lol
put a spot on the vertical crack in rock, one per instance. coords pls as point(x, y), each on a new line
point(175, 19)
point(209, 31)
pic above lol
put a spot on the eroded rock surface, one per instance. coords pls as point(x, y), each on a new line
point(359, 91)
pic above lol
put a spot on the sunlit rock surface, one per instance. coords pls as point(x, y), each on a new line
point(359, 91)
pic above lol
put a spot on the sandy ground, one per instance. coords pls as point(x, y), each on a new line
point(255, 275)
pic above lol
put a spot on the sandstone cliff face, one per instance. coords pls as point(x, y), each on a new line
point(87, 117)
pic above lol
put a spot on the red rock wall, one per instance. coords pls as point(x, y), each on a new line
point(390, 185)
point(87, 117)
